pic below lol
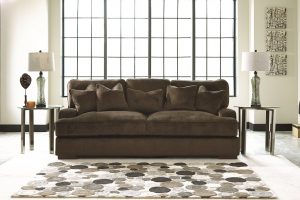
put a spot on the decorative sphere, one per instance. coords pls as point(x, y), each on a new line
point(25, 80)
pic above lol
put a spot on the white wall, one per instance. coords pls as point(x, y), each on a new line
point(55, 35)
point(242, 78)
point(24, 29)
point(298, 20)
point(279, 91)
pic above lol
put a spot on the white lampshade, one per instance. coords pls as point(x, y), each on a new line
point(255, 61)
point(41, 61)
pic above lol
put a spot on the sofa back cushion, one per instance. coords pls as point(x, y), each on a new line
point(87, 84)
point(145, 102)
point(209, 101)
point(111, 99)
point(147, 85)
point(216, 85)
point(84, 100)
point(181, 98)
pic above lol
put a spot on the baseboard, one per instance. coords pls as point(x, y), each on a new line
point(261, 127)
point(17, 128)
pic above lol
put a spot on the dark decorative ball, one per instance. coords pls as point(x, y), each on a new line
point(25, 80)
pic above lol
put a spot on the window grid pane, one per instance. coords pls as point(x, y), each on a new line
point(127, 40)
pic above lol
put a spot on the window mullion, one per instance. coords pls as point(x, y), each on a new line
point(164, 38)
point(134, 65)
point(120, 38)
point(206, 63)
point(194, 40)
point(177, 36)
point(220, 73)
point(105, 39)
point(91, 39)
point(77, 40)
point(149, 39)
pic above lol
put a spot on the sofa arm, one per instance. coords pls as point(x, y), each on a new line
point(226, 112)
point(67, 113)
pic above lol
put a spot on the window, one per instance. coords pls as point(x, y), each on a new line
point(173, 39)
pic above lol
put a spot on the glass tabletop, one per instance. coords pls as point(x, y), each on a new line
point(42, 108)
point(257, 108)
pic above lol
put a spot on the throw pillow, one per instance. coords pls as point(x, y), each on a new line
point(145, 102)
point(91, 87)
point(181, 98)
point(111, 99)
point(84, 100)
point(209, 101)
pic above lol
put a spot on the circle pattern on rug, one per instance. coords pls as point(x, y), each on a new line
point(146, 180)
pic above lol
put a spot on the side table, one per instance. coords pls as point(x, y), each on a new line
point(270, 126)
point(51, 109)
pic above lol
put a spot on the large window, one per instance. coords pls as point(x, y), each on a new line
point(173, 39)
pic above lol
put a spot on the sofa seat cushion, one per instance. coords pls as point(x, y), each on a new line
point(106, 123)
point(190, 123)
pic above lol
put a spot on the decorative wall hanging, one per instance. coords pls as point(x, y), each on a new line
point(276, 18)
point(276, 41)
point(278, 65)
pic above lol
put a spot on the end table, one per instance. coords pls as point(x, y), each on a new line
point(49, 108)
point(270, 126)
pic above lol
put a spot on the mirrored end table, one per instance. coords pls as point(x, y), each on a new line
point(51, 109)
point(270, 126)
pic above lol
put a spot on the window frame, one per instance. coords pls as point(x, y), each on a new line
point(149, 38)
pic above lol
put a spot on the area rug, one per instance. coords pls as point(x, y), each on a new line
point(216, 180)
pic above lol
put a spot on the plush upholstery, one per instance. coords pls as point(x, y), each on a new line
point(84, 100)
point(102, 123)
point(181, 98)
point(226, 112)
point(111, 99)
point(67, 113)
point(147, 85)
point(145, 102)
point(209, 85)
point(209, 101)
point(146, 131)
point(190, 123)
point(83, 84)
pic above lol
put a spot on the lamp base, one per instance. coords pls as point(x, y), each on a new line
point(41, 105)
point(256, 106)
point(41, 102)
point(255, 100)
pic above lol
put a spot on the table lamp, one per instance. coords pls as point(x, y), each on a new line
point(255, 61)
point(41, 61)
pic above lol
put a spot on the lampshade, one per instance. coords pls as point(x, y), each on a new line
point(255, 61)
point(41, 61)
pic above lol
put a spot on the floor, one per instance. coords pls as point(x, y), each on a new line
point(271, 169)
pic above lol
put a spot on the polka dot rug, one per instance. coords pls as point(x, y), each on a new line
point(215, 180)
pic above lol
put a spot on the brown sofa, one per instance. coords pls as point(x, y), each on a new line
point(166, 133)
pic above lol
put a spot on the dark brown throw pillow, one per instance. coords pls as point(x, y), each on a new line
point(145, 102)
point(84, 100)
point(111, 99)
point(209, 101)
point(181, 98)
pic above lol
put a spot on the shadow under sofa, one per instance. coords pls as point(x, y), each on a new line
point(166, 133)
